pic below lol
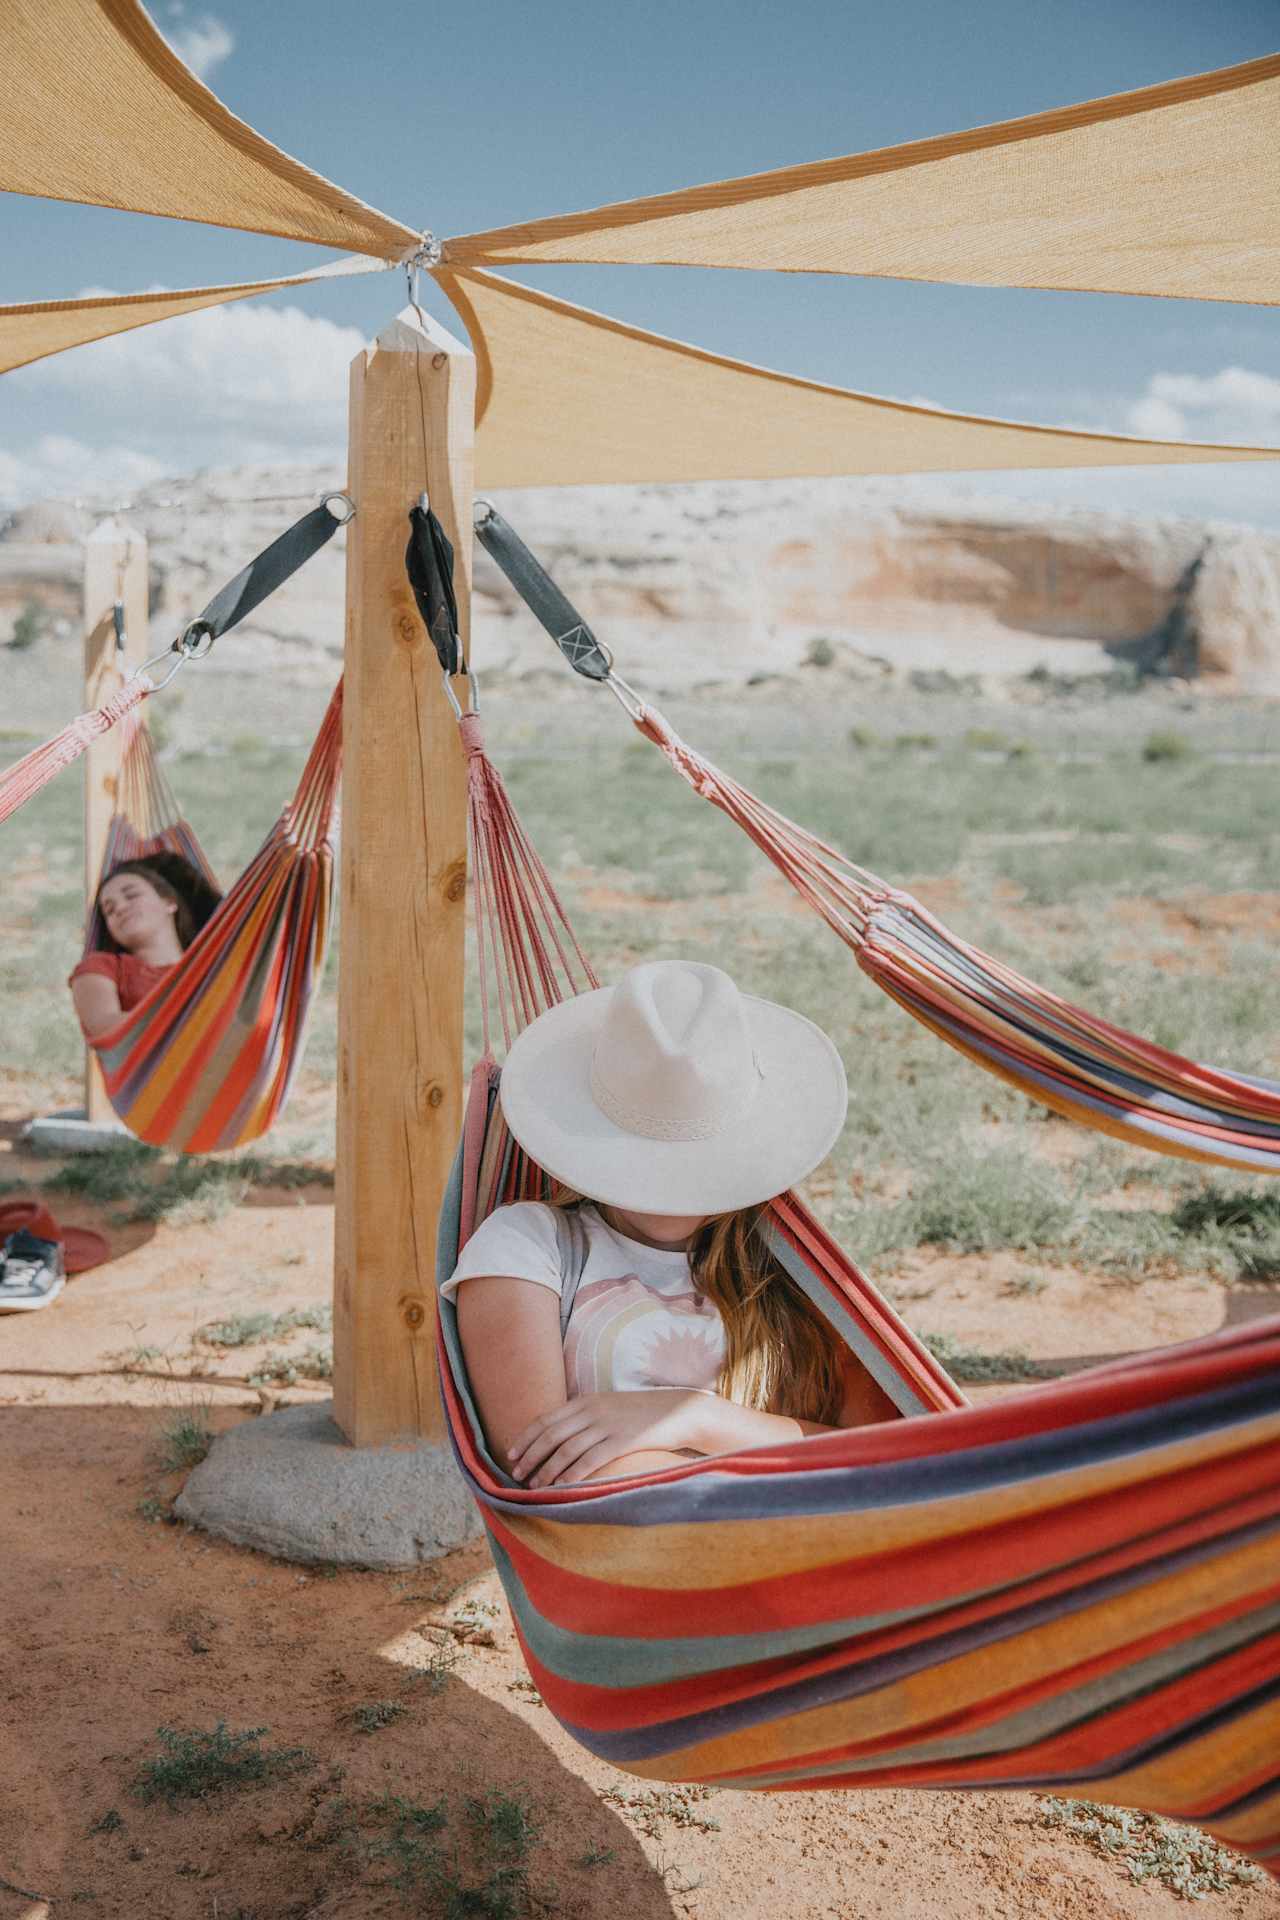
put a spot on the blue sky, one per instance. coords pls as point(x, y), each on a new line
point(503, 111)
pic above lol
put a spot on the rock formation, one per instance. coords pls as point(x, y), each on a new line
point(722, 582)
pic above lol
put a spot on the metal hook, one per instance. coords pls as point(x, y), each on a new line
point(451, 696)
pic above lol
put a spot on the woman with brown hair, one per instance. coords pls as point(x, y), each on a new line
point(150, 910)
point(680, 1106)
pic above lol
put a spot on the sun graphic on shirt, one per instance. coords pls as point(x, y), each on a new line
point(681, 1358)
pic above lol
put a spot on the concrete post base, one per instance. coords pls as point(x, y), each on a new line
point(291, 1485)
point(71, 1132)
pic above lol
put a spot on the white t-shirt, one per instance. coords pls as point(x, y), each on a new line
point(636, 1320)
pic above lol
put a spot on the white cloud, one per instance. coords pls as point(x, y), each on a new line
point(201, 40)
point(1234, 405)
point(232, 386)
point(56, 463)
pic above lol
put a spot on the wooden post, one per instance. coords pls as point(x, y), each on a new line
point(115, 569)
point(403, 886)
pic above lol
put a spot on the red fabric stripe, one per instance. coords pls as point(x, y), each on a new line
point(1088, 1746)
point(611, 1708)
point(937, 1573)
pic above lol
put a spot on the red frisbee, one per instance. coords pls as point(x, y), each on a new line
point(82, 1248)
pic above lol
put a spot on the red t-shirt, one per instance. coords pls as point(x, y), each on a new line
point(134, 978)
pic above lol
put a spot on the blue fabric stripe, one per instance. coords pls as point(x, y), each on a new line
point(710, 1495)
point(871, 1676)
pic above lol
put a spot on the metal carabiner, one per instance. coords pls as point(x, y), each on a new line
point(446, 681)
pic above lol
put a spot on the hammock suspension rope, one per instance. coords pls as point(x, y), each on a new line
point(1073, 1588)
point(1080, 1065)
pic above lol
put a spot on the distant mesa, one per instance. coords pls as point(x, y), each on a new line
point(727, 582)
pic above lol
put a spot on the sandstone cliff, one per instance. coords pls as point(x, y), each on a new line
point(722, 582)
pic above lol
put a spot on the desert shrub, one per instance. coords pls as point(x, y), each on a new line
point(969, 1363)
point(819, 653)
point(1166, 744)
point(985, 740)
point(194, 1764)
point(184, 1439)
point(1183, 1858)
point(31, 623)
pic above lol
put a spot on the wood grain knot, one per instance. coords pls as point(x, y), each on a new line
point(408, 629)
point(455, 881)
point(414, 1315)
point(438, 360)
point(435, 1093)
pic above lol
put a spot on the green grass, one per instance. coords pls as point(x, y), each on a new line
point(377, 1714)
point(249, 1329)
point(287, 1369)
point(184, 1440)
point(194, 1764)
point(478, 1872)
point(959, 809)
point(150, 1185)
point(1149, 1847)
point(968, 1363)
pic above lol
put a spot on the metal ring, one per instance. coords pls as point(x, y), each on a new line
point(350, 514)
point(194, 641)
point(482, 511)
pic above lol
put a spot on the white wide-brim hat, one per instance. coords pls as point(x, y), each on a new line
point(672, 1093)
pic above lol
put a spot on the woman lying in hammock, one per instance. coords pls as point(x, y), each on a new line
point(149, 910)
point(680, 1106)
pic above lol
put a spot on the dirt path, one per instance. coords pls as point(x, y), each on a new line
point(119, 1622)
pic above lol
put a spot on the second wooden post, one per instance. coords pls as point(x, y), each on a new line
point(403, 886)
point(115, 574)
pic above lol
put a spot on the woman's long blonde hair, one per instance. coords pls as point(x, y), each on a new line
point(780, 1354)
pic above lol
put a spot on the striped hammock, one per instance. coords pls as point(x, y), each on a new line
point(1080, 1065)
point(1075, 1587)
point(206, 1060)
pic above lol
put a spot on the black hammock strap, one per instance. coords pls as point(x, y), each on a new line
point(428, 559)
point(541, 595)
point(264, 573)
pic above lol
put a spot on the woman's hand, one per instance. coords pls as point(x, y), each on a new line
point(574, 1441)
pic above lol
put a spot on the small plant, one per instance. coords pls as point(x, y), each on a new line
point(111, 1175)
point(862, 738)
point(492, 1884)
point(907, 742)
point(819, 653)
point(247, 1329)
point(967, 1363)
point(1166, 744)
point(378, 1714)
point(108, 1822)
point(986, 740)
point(1025, 1283)
point(596, 1857)
point(30, 624)
point(1189, 1862)
point(647, 1808)
point(195, 1764)
point(151, 1509)
point(439, 1665)
point(282, 1370)
point(185, 1439)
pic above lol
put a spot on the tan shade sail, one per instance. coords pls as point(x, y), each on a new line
point(1171, 190)
point(565, 395)
point(41, 327)
point(96, 107)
